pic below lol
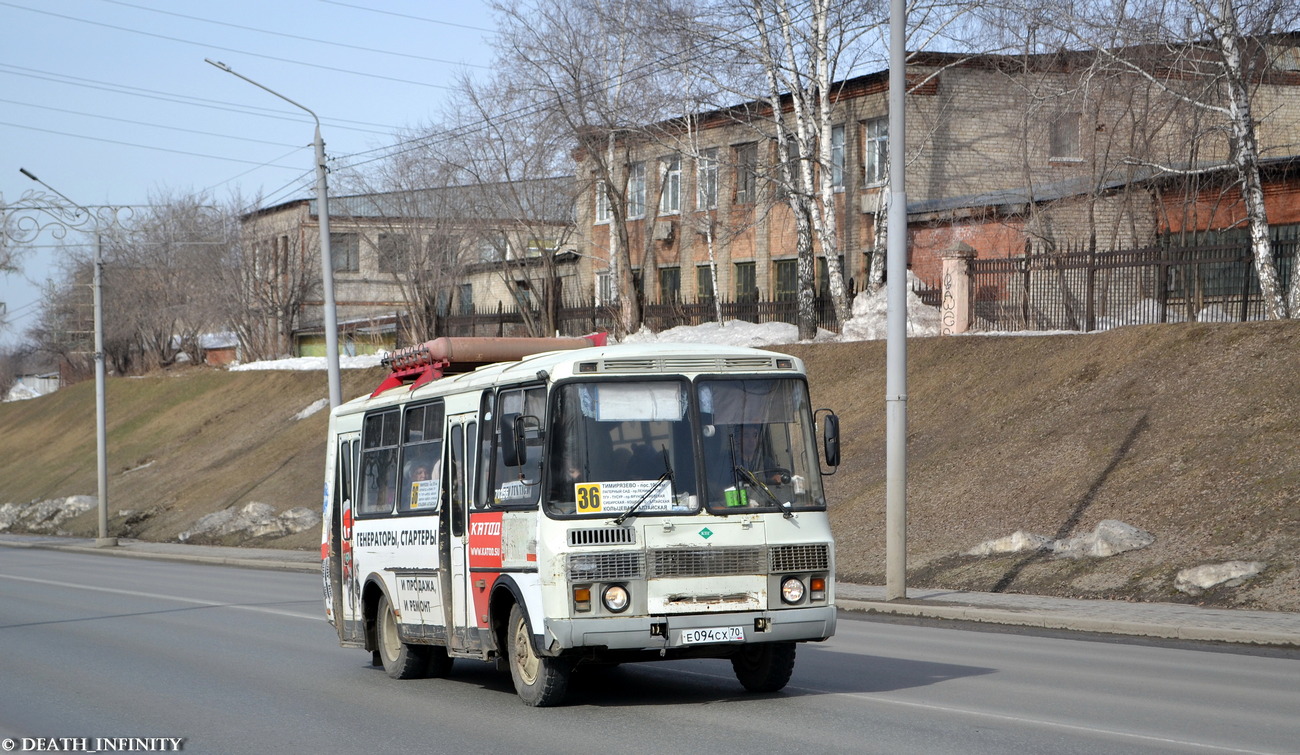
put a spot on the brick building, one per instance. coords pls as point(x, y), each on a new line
point(1002, 151)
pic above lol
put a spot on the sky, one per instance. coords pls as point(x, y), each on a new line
point(110, 102)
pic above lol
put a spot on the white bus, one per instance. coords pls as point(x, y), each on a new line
point(549, 503)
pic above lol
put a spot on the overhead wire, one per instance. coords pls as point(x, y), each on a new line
point(285, 35)
point(225, 49)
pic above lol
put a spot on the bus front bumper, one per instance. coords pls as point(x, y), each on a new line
point(688, 630)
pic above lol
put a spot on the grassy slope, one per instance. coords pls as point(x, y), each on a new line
point(1187, 431)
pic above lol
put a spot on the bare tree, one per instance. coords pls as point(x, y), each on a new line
point(159, 291)
point(596, 67)
point(519, 158)
point(268, 275)
point(1211, 55)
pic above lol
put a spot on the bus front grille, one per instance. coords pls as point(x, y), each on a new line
point(602, 536)
point(800, 558)
point(707, 562)
point(603, 567)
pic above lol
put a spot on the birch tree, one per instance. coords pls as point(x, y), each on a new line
point(1226, 46)
point(595, 66)
point(801, 49)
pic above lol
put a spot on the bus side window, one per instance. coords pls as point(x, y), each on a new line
point(379, 443)
point(517, 484)
point(457, 481)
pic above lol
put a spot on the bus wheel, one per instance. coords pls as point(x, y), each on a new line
point(765, 667)
point(539, 680)
point(400, 660)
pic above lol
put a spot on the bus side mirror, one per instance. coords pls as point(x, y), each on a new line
point(830, 437)
point(512, 440)
point(517, 433)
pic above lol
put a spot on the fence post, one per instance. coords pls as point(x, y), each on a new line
point(958, 301)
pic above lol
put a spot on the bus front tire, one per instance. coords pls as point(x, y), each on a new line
point(540, 681)
point(765, 667)
point(400, 660)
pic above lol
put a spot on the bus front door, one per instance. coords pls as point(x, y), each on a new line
point(463, 639)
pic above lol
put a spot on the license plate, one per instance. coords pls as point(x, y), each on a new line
point(706, 635)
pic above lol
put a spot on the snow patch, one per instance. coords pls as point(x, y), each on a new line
point(255, 520)
point(1110, 537)
point(1017, 542)
point(44, 516)
point(310, 410)
point(1198, 579)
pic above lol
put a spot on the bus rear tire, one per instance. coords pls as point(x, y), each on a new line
point(540, 681)
point(400, 660)
point(765, 667)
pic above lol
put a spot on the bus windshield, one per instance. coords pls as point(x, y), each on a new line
point(622, 445)
point(756, 439)
point(616, 445)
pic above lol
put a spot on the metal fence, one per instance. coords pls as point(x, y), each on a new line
point(1089, 290)
point(577, 317)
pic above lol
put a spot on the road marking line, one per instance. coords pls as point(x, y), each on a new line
point(192, 601)
point(865, 697)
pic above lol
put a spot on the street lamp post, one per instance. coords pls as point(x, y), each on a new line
point(326, 259)
point(101, 413)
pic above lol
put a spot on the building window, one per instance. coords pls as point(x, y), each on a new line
point(746, 173)
point(1063, 137)
point(706, 180)
point(493, 248)
point(670, 284)
point(394, 252)
point(837, 156)
point(465, 298)
point(604, 288)
point(636, 190)
point(602, 202)
point(875, 150)
point(824, 275)
point(746, 281)
point(539, 246)
point(704, 282)
point(787, 280)
point(345, 250)
point(670, 199)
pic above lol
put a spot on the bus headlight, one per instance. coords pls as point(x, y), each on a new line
point(792, 590)
point(615, 598)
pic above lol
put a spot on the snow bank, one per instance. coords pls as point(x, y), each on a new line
point(1198, 579)
point(254, 520)
point(1110, 537)
point(44, 516)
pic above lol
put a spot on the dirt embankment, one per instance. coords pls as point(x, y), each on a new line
point(1189, 432)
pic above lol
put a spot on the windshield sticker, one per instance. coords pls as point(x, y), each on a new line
point(424, 494)
point(618, 497)
point(512, 491)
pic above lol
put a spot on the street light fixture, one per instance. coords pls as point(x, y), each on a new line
point(101, 418)
point(326, 259)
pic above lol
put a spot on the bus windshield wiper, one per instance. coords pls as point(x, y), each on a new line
point(667, 475)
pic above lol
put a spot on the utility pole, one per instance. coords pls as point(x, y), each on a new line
point(326, 258)
point(896, 319)
point(101, 413)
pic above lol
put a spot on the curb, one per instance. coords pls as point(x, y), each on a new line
point(1048, 620)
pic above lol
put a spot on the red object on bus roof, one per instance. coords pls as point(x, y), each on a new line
point(431, 360)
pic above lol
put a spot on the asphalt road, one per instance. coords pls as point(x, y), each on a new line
point(240, 660)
